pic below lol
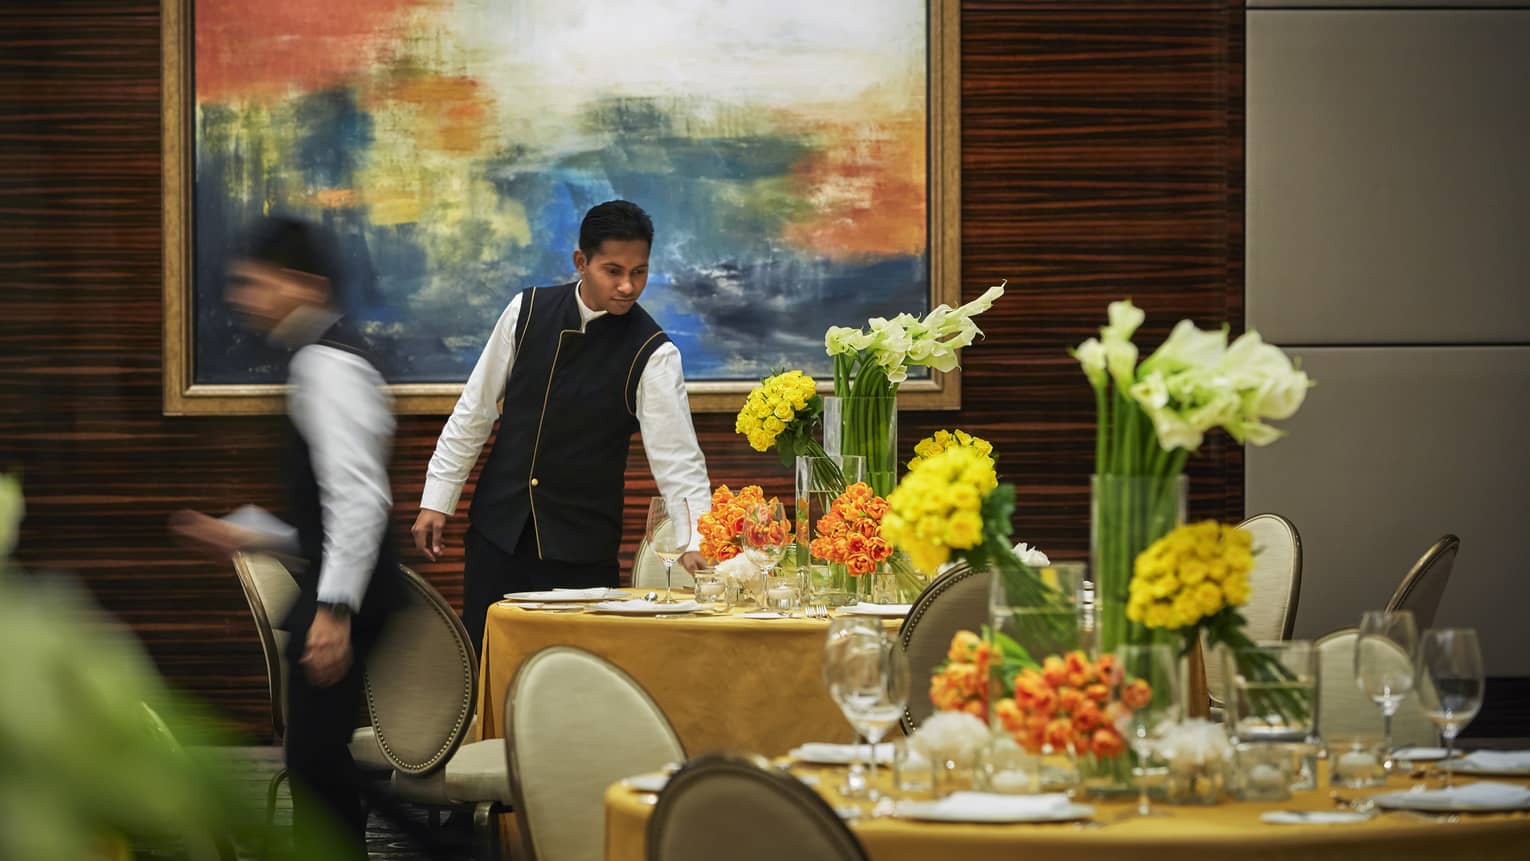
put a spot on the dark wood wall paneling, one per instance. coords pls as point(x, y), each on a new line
point(1102, 147)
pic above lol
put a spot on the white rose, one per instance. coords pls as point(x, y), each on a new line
point(951, 736)
point(1031, 556)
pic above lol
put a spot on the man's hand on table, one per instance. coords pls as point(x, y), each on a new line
point(692, 561)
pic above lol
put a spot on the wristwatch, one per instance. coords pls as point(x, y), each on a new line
point(339, 609)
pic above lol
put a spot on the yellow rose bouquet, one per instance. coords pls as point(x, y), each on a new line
point(1194, 579)
point(781, 413)
point(944, 439)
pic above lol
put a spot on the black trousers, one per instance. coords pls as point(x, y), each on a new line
point(327, 813)
point(489, 572)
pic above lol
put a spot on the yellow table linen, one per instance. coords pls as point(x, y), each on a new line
point(724, 682)
point(1231, 830)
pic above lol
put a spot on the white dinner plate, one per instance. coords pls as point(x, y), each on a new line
point(933, 811)
point(1485, 797)
point(559, 596)
point(640, 607)
point(1419, 754)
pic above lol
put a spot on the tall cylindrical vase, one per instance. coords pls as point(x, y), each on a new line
point(868, 427)
point(1127, 513)
point(820, 481)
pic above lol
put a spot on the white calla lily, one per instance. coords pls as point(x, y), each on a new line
point(1091, 355)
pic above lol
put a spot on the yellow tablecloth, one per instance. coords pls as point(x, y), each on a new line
point(1231, 830)
point(724, 682)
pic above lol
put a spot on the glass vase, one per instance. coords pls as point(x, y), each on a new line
point(865, 426)
point(1126, 515)
point(820, 480)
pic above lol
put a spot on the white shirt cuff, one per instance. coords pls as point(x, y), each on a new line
point(441, 496)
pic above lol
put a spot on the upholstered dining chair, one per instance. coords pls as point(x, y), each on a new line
point(576, 723)
point(1274, 584)
point(648, 570)
point(954, 601)
point(1344, 709)
point(420, 692)
point(1424, 585)
point(270, 590)
point(715, 798)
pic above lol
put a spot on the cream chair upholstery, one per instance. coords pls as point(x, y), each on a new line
point(757, 812)
point(420, 691)
point(1424, 585)
point(1344, 709)
point(648, 570)
point(956, 600)
point(575, 724)
point(1274, 584)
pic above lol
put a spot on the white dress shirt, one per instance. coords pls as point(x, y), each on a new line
point(338, 403)
point(663, 413)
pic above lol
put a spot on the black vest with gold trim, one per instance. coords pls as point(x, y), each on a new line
point(570, 410)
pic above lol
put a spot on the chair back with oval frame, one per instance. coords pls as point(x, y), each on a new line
point(1424, 585)
point(956, 600)
point(701, 806)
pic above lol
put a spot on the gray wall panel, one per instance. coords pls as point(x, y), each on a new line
point(1387, 176)
point(1395, 447)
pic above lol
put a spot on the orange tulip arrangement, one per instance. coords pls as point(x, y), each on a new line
point(1067, 702)
point(850, 533)
point(720, 528)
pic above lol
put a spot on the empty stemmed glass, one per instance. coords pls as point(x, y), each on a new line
point(669, 534)
point(840, 631)
point(1450, 682)
point(1149, 686)
point(1384, 665)
point(764, 538)
point(869, 680)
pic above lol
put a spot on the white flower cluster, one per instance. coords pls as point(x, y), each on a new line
point(1193, 743)
point(907, 340)
point(1032, 556)
point(738, 571)
point(1196, 381)
point(951, 737)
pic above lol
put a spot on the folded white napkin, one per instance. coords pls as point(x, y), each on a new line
point(762, 614)
point(838, 754)
point(638, 605)
point(1418, 754)
point(1312, 817)
point(990, 805)
point(1485, 793)
point(1498, 760)
point(864, 609)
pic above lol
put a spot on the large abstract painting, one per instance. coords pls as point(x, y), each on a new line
point(792, 154)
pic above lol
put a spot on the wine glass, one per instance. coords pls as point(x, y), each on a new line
point(1384, 652)
point(764, 538)
point(1149, 686)
point(1450, 681)
point(869, 680)
point(840, 631)
point(669, 534)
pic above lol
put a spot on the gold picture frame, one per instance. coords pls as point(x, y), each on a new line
point(183, 396)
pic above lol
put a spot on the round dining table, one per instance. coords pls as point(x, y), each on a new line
point(1229, 830)
point(725, 681)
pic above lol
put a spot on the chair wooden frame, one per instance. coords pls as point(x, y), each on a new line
point(1442, 552)
point(265, 632)
point(701, 769)
point(517, 792)
point(929, 596)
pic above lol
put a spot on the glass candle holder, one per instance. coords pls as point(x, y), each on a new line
point(1356, 762)
point(1263, 771)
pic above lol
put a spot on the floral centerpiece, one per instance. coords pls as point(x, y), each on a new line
point(871, 362)
point(1152, 415)
point(782, 412)
point(944, 439)
point(850, 533)
point(1192, 581)
point(721, 527)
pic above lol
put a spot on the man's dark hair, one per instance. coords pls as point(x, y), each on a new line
point(292, 244)
point(615, 219)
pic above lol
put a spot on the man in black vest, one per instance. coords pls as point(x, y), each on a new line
point(339, 436)
point(580, 368)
